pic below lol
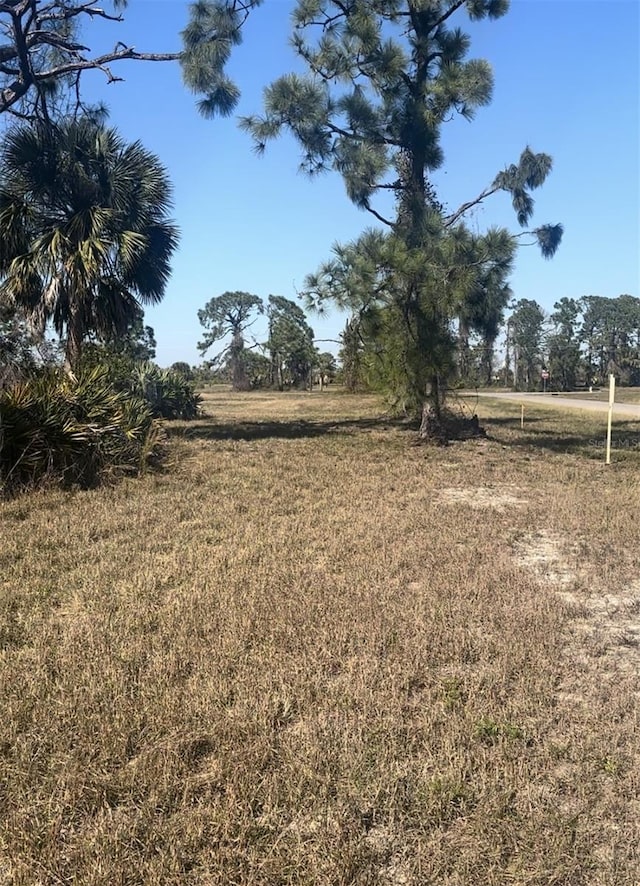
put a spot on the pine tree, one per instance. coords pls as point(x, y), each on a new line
point(382, 79)
point(564, 346)
point(290, 343)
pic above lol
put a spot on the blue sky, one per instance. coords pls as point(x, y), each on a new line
point(567, 82)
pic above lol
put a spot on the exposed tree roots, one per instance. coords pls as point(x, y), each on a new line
point(448, 427)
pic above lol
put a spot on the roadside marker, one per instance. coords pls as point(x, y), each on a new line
point(522, 416)
point(612, 397)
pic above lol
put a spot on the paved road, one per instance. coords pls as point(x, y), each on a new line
point(547, 401)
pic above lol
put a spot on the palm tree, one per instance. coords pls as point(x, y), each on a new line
point(85, 237)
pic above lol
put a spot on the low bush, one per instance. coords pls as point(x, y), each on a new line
point(168, 392)
point(54, 428)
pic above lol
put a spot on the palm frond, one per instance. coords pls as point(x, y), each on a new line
point(80, 207)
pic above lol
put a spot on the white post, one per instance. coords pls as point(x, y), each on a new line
point(522, 416)
point(612, 398)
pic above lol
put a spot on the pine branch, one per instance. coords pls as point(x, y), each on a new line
point(446, 15)
point(66, 13)
point(453, 218)
point(31, 27)
point(377, 215)
point(128, 52)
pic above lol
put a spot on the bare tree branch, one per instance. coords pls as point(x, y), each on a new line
point(453, 218)
point(66, 13)
point(40, 48)
point(381, 218)
point(103, 60)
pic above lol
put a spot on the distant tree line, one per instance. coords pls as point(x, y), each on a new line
point(497, 343)
point(578, 344)
point(286, 358)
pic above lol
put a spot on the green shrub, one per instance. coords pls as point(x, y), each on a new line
point(72, 431)
point(169, 393)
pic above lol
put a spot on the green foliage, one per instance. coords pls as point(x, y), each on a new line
point(213, 30)
point(583, 341)
point(128, 364)
point(491, 731)
point(610, 333)
point(483, 302)
point(183, 369)
point(257, 369)
point(290, 343)
point(230, 314)
point(123, 353)
point(292, 354)
point(351, 356)
point(454, 693)
point(44, 53)
point(381, 81)
point(67, 431)
point(564, 356)
point(207, 374)
point(86, 237)
point(384, 58)
point(527, 325)
point(325, 365)
point(168, 394)
point(21, 353)
point(400, 338)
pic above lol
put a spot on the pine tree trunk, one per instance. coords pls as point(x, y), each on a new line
point(432, 427)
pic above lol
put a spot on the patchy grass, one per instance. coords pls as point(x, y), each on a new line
point(553, 430)
point(297, 657)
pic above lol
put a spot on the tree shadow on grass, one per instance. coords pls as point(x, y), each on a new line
point(537, 434)
point(625, 436)
point(283, 430)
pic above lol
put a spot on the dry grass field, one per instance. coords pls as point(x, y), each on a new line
point(310, 652)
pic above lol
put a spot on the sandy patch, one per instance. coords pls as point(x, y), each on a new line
point(543, 553)
point(482, 497)
point(606, 624)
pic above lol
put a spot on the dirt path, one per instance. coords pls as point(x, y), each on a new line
point(548, 401)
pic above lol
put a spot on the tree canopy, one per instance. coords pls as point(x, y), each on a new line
point(378, 83)
point(290, 343)
point(86, 235)
point(580, 343)
point(230, 314)
point(528, 338)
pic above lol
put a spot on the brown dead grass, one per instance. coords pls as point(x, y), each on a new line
point(297, 658)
